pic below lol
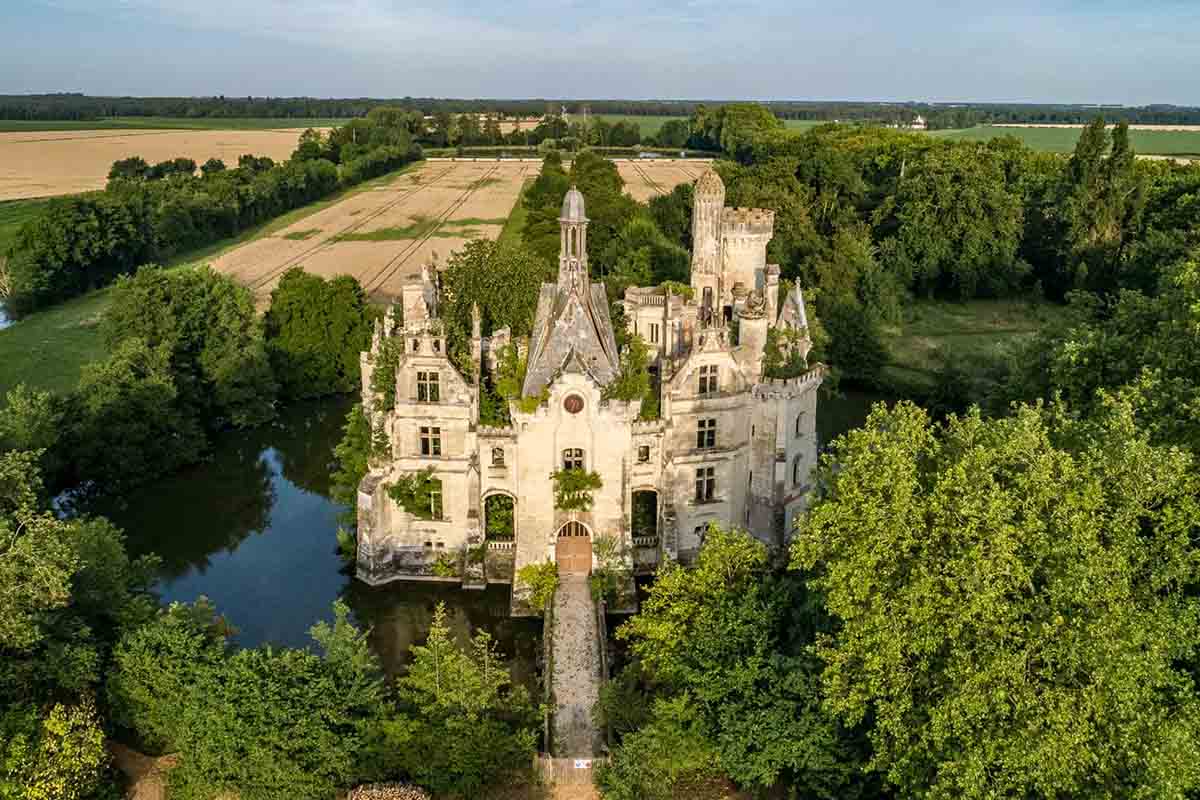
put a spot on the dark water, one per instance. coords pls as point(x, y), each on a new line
point(253, 530)
point(849, 409)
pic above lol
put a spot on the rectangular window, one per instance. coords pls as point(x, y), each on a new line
point(643, 454)
point(572, 458)
point(706, 434)
point(428, 388)
point(653, 333)
point(435, 501)
point(431, 441)
point(706, 484)
point(708, 379)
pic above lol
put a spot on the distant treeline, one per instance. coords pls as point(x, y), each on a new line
point(938, 115)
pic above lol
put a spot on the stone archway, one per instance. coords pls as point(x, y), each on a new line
point(573, 549)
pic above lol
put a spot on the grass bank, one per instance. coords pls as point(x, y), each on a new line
point(47, 350)
point(515, 225)
point(976, 330)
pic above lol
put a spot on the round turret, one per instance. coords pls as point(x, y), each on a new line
point(710, 185)
point(572, 207)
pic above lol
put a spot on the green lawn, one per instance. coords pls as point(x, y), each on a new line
point(515, 225)
point(161, 123)
point(1062, 140)
point(48, 349)
point(933, 329)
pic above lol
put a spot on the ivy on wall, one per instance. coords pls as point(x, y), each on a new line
point(415, 494)
point(573, 489)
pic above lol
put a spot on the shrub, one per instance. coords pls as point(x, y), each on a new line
point(542, 581)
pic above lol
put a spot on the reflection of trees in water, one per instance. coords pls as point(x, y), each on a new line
point(211, 508)
point(304, 438)
point(399, 614)
point(207, 509)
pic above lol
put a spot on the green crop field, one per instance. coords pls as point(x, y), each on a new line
point(650, 124)
point(165, 123)
point(1062, 140)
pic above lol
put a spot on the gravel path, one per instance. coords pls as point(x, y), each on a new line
point(576, 669)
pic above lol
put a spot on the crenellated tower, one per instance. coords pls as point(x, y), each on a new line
point(707, 212)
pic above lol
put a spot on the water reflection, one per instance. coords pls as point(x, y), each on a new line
point(253, 529)
point(5, 319)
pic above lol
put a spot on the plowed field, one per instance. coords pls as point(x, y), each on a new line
point(645, 178)
point(48, 163)
point(383, 235)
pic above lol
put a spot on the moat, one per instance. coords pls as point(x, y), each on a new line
point(253, 530)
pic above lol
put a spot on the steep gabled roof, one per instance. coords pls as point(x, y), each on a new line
point(571, 331)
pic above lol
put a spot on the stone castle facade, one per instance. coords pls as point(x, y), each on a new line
point(730, 447)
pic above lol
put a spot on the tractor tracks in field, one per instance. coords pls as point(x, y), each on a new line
point(295, 260)
point(397, 261)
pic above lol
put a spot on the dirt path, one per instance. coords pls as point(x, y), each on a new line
point(147, 775)
point(576, 669)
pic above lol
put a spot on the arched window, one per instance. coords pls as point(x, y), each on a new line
point(573, 528)
point(572, 458)
point(799, 424)
point(796, 466)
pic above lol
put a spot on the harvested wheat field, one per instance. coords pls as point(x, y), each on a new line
point(646, 178)
point(43, 164)
point(382, 236)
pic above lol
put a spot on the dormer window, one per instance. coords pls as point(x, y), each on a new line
point(428, 387)
point(437, 345)
point(497, 456)
point(708, 379)
point(416, 345)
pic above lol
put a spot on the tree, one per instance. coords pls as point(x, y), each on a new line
point(737, 685)
point(641, 255)
point(206, 326)
point(471, 725)
point(1141, 346)
point(133, 168)
point(262, 722)
point(316, 330)
point(502, 280)
point(59, 757)
point(1014, 603)
point(1097, 206)
point(954, 226)
point(128, 426)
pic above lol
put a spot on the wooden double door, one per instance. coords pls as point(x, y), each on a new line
point(573, 549)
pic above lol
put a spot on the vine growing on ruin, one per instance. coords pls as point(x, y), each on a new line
point(573, 489)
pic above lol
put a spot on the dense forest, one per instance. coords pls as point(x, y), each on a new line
point(993, 593)
point(940, 115)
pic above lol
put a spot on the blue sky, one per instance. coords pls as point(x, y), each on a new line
point(1097, 51)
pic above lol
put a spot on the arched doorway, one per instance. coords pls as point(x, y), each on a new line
point(499, 524)
point(573, 549)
